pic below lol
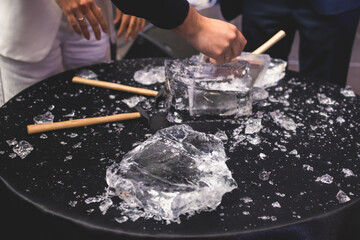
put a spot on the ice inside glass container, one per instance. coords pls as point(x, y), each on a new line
point(203, 88)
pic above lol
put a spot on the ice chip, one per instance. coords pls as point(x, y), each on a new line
point(149, 76)
point(347, 92)
point(253, 126)
point(86, 73)
point(264, 175)
point(22, 149)
point(325, 179)
point(133, 101)
point(282, 120)
point(347, 172)
point(259, 94)
point(48, 117)
point(342, 197)
point(222, 135)
point(323, 99)
point(174, 172)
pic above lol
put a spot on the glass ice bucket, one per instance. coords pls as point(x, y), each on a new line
point(206, 89)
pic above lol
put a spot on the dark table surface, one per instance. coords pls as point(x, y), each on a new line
point(44, 195)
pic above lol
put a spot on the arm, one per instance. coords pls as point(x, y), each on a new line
point(217, 39)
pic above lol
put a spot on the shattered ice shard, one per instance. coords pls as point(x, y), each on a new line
point(264, 175)
point(282, 120)
point(174, 172)
point(323, 99)
point(149, 76)
point(22, 149)
point(133, 101)
point(347, 92)
point(253, 126)
point(342, 197)
point(325, 179)
point(86, 73)
point(44, 118)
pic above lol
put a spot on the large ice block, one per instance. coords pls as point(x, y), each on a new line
point(177, 171)
point(206, 89)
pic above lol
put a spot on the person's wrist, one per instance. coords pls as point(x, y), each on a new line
point(191, 25)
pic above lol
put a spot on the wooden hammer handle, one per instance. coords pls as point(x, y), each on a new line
point(277, 37)
point(37, 128)
point(115, 86)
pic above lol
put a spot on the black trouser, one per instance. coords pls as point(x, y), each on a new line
point(325, 40)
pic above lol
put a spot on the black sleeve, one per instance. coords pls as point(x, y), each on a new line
point(230, 9)
point(165, 14)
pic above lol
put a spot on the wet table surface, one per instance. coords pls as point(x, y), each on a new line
point(301, 184)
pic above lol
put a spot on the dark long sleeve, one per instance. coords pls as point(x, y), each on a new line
point(166, 14)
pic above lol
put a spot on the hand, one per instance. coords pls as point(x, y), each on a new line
point(78, 11)
point(132, 23)
point(219, 40)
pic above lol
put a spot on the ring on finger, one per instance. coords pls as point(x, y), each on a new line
point(81, 19)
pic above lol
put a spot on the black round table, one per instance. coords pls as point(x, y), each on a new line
point(47, 194)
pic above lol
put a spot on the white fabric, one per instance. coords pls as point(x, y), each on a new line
point(69, 50)
point(28, 27)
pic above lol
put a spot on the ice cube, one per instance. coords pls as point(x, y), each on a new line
point(174, 172)
point(22, 149)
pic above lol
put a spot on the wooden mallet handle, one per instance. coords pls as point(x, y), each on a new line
point(279, 35)
point(115, 86)
point(37, 128)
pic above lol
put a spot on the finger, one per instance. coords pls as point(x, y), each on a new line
point(131, 28)
point(136, 27)
point(117, 17)
point(124, 22)
point(81, 21)
point(99, 16)
point(143, 21)
point(93, 22)
point(74, 23)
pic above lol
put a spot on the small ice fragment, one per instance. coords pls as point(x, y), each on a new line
point(71, 114)
point(276, 205)
point(282, 120)
point(121, 219)
point(308, 167)
point(86, 73)
point(67, 158)
point(222, 135)
point(72, 135)
point(253, 140)
point(348, 172)
point(253, 126)
point(11, 142)
point(293, 152)
point(2, 152)
point(246, 213)
point(112, 97)
point(323, 99)
point(340, 120)
point(44, 118)
point(149, 76)
point(272, 218)
point(259, 94)
point(133, 101)
point(246, 199)
point(174, 117)
point(264, 175)
point(105, 205)
point(309, 101)
point(347, 92)
point(12, 155)
point(43, 136)
point(77, 145)
point(262, 155)
point(73, 203)
point(342, 197)
point(280, 194)
point(51, 107)
point(22, 149)
point(325, 179)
